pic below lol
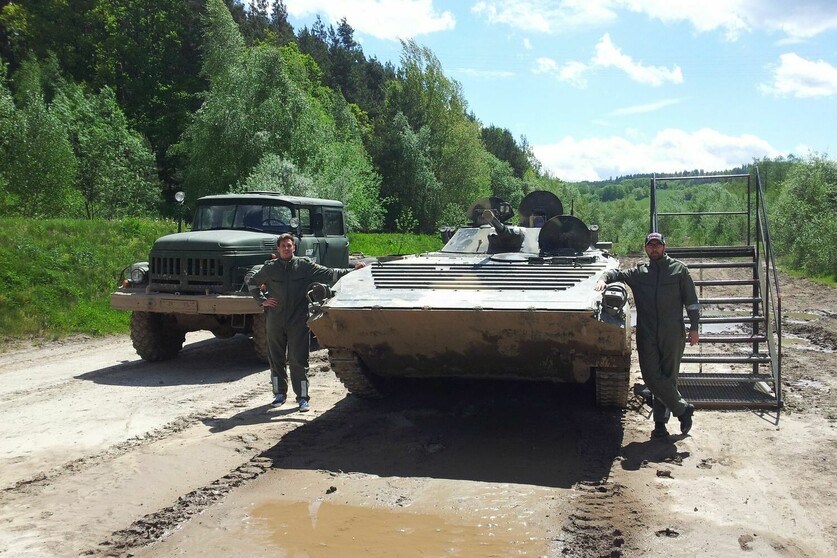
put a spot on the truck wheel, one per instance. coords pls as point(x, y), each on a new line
point(156, 336)
point(260, 336)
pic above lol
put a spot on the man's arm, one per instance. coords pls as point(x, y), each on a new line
point(608, 277)
point(331, 275)
point(254, 279)
point(690, 301)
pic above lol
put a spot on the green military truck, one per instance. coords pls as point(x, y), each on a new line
point(195, 280)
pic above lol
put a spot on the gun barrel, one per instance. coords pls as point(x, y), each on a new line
point(492, 219)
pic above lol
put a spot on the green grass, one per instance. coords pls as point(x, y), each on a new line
point(391, 244)
point(56, 275)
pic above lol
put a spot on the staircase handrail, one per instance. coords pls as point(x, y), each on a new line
point(774, 297)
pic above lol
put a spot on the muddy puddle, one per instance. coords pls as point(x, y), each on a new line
point(331, 530)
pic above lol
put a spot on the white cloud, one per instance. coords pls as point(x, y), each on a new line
point(544, 65)
point(384, 19)
point(608, 55)
point(545, 16)
point(573, 73)
point(671, 150)
point(796, 19)
point(795, 76)
point(731, 16)
point(645, 108)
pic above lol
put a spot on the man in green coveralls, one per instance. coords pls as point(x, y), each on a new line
point(662, 288)
point(286, 281)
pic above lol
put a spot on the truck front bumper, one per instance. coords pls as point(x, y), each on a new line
point(184, 304)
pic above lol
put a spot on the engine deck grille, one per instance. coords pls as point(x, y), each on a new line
point(512, 276)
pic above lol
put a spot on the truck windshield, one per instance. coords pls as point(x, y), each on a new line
point(267, 218)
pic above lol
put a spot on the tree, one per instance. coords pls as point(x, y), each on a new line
point(804, 217)
point(267, 101)
point(7, 111)
point(274, 174)
point(500, 143)
point(37, 160)
point(282, 31)
point(504, 184)
point(425, 103)
point(147, 53)
point(116, 171)
point(418, 190)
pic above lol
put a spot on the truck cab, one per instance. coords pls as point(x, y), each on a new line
point(195, 280)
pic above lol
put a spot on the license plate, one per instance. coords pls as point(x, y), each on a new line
point(190, 306)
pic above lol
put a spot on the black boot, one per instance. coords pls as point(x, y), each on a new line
point(686, 419)
point(659, 430)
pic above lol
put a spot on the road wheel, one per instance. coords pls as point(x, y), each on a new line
point(156, 336)
point(260, 336)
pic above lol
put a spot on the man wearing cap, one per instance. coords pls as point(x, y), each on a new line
point(662, 288)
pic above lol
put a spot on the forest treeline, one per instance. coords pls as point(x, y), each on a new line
point(108, 107)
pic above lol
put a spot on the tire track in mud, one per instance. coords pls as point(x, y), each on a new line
point(603, 512)
point(43, 479)
point(157, 525)
point(15, 362)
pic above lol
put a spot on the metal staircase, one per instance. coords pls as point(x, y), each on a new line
point(738, 362)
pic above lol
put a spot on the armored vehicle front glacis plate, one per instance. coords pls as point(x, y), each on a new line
point(497, 301)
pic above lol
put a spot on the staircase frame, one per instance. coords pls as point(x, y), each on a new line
point(718, 383)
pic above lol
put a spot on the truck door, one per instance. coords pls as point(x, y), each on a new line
point(334, 232)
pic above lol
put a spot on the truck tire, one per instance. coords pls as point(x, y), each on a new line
point(156, 336)
point(260, 337)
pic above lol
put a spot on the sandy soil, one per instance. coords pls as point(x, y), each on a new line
point(102, 454)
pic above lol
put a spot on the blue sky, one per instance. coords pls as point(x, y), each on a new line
point(604, 88)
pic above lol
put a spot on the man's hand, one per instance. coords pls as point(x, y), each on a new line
point(600, 285)
point(360, 265)
point(694, 337)
point(270, 302)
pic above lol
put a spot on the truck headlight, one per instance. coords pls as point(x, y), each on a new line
point(138, 275)
point(133, 275)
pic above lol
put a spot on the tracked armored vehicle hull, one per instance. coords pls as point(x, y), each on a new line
point(475, 310)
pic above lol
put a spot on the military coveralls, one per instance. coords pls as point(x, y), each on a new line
point(287, 330)
point(661, 290)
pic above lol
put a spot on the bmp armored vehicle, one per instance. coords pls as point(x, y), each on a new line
point(497, 301)
point(195, 280)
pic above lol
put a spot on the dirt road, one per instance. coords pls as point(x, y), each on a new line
point(102, 454)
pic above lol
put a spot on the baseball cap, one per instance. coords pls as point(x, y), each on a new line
point(655, 236)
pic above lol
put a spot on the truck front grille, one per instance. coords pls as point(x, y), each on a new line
point(187, 275)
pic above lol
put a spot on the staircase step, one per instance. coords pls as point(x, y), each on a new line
point(711, 251)
point(730, 319)
point(721, 265)
point(730, 300)
point(723, 282)
point(710, 377)
point(709, 338)
point(726, 358)
point(729, 391)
